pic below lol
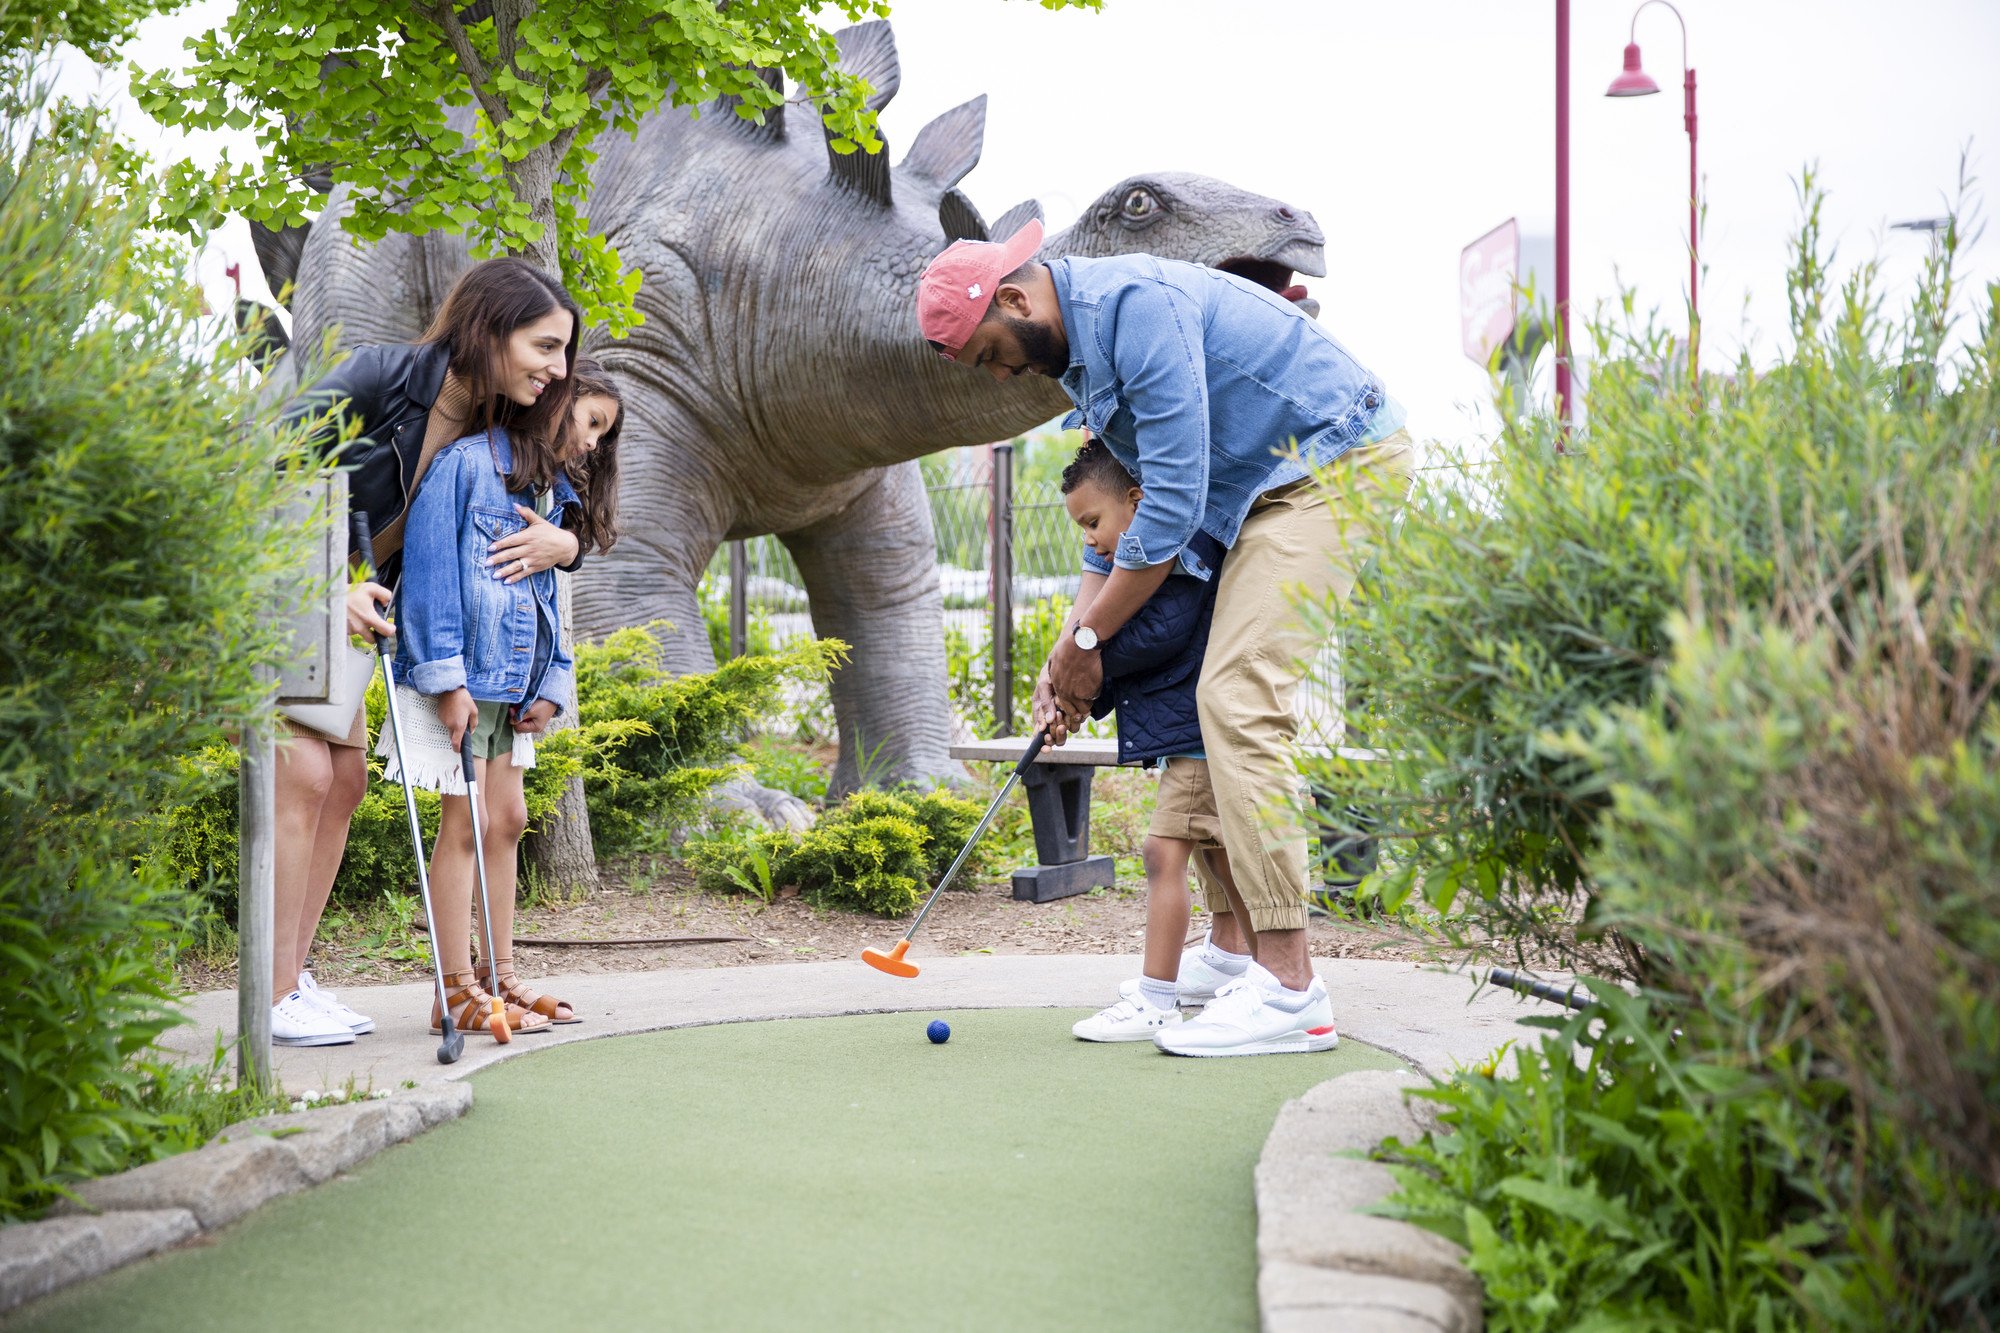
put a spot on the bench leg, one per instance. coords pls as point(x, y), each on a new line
point(1059, 806)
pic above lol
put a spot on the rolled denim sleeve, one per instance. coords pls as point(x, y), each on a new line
point(430, 611)
point(1155, 338)
point(1093, 563)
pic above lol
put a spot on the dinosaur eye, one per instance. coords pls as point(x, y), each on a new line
point(1140, 204)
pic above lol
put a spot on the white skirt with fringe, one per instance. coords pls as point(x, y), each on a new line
point(434, 765)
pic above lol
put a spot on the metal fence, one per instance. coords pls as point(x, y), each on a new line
point(1006, 564)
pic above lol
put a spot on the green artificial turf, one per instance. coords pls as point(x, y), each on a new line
point(837, 1173)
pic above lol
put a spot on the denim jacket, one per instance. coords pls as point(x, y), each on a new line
point(457, 623)
point(1200, 383)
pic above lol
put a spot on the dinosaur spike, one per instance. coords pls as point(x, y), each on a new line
point(773, 127)
point(1016, 218)
point(947, 148)
point(960, 220)
point(278, 254)
point(869, 49)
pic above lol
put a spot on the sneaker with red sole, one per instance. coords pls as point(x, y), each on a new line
point(1241, 1020)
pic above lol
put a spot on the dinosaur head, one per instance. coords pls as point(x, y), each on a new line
point(1179, 215)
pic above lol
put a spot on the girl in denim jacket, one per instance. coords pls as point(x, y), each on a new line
point(484, 655)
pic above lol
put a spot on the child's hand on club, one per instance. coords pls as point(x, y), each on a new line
point(534, 720)
point(458, 712)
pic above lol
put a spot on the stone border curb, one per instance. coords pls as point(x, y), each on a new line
point(1322, 1264)
point(117, 1219)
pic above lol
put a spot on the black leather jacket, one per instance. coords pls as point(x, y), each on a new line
point(390, 388)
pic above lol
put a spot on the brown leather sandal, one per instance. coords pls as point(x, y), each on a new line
point(559, 1012)
point(473, 1008)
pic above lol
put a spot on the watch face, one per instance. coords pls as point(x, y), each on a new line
point(1086, 637)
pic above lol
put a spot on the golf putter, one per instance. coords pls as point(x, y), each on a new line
point(499, 1021)
point(893, 961)
point(452, 1043)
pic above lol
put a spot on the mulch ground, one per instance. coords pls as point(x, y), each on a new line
point(651, 899)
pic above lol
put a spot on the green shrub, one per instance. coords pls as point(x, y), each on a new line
point(1805, 841)
point(645, 788)
point(876, 852)
point(1770, 771)
point(141, 578)
point(1537, 587)
point(647, 745)
point(1632, 1188)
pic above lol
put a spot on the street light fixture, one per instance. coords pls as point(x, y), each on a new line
point(1635, 82)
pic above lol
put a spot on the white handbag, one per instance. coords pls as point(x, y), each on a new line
point(348, 686)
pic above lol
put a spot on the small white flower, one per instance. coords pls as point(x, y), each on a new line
point(217, 1086)
point(309, 1096)
point(298, 1106)
point(336, 1096)
point(379, 1094)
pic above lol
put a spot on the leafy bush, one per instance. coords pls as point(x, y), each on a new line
point(1517, 603)
point(1768, 770)
point(141, 575)
point(648, 746)
point(1631, 1188)
point(876, 852)
point(650, 782)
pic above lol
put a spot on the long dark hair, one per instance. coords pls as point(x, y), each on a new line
point(595, 474)
point(485, 306)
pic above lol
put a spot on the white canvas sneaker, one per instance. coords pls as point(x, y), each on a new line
point(297, 1021)
point(324, 1001)
point(1127, 1020)
point(1196, 983)
point(1242, 1021)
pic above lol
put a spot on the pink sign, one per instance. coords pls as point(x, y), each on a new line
point(1486, 274)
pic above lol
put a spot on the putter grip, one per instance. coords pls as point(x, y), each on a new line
point(465, 755)
point(1034, 748)
point(362, 540)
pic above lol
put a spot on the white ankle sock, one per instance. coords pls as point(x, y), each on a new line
point(1284, 997)
point(1222, 960)
point(1158, 994)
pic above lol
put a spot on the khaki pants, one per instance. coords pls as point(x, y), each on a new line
point(1300, 545)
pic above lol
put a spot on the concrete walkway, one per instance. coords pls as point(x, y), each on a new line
point(1425, 1015)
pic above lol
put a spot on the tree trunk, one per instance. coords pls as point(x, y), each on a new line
point(561, 852)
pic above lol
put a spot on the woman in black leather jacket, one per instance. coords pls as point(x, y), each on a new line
point(499, 352)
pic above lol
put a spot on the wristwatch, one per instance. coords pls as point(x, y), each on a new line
point(1086, 638)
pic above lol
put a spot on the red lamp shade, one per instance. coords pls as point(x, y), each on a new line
point(1634, 82)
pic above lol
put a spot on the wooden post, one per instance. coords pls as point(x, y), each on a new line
point(257, 811)
point(1001, 567)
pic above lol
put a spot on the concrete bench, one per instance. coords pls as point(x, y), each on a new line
point(1058, 788)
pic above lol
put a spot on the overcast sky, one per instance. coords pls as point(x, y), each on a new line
point(1410, 129)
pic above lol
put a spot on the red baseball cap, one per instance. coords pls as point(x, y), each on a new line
point(957, 286)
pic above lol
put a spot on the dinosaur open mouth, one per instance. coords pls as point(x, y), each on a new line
point(1273, 276)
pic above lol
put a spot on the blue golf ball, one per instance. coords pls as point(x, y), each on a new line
point(939, 1031)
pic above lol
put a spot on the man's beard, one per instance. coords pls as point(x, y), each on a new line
point(1046, 351)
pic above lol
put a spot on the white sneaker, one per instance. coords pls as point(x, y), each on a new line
point(1196, 983)
point(323, 1000)
point(1243, 1021)
point(1127, 1020)
point(297, 1021)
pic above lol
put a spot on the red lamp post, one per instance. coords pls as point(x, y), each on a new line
point(1564, 411)
point(1635, 82)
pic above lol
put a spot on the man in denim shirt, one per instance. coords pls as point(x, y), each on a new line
point(1220, 398)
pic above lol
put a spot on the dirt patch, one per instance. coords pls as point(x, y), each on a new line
point(658, 898)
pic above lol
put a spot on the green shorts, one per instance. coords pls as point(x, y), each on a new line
point(493, 733)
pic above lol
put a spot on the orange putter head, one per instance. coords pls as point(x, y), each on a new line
point(891, 962)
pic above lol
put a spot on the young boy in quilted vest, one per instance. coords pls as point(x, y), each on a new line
point(1151, 667)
